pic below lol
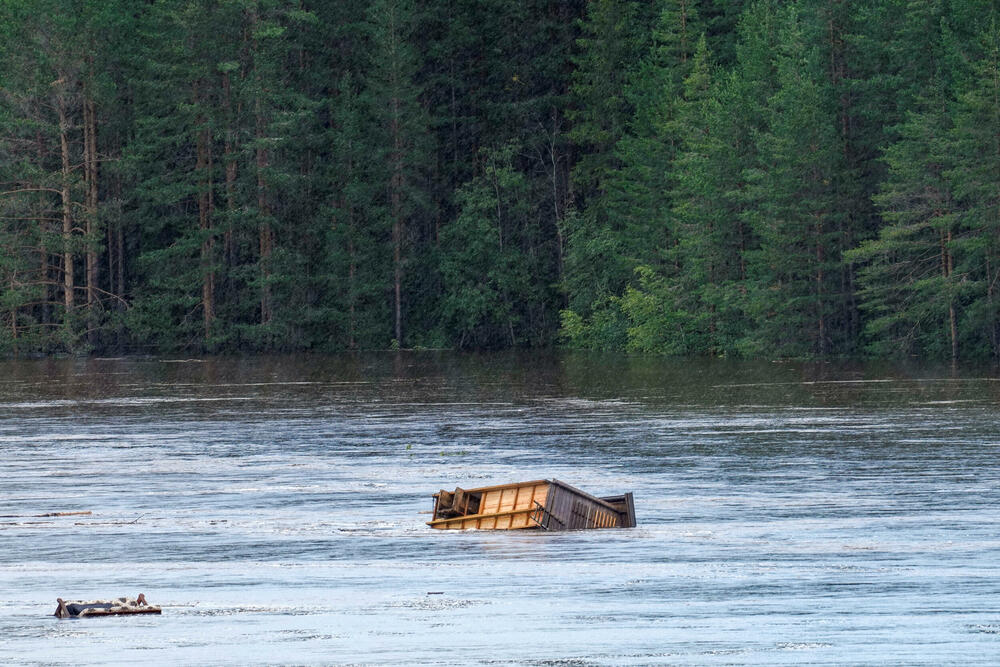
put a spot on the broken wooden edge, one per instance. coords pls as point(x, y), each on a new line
point(47, 514)
point(117, 607)
point(547, 504)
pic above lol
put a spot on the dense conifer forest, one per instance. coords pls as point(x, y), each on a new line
point(769, 178)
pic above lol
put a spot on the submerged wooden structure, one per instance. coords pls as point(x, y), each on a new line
point(116, 607)
point(545, 504)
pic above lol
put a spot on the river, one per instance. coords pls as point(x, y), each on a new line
point(788, 513)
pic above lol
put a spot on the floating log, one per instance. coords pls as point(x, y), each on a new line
point(48, 514)
point(545, 504)
point(116, 607)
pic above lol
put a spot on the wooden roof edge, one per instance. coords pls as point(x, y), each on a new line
point(476, 517)
point(497, 487)
point(573, 489)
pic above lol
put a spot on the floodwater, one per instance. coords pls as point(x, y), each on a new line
point(788, 514)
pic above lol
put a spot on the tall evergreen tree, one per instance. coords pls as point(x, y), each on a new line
point(974, 149)
point(795, 293)
point(614, 42)
point(57, 92)
point(403, 135)
point(485, 271)
point(909, 283)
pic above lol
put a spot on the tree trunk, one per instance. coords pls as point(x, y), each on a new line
point(90, 175)
point(43, 250)
point(229, 159)
point(820, 314)
point(266, 234)
point(203, 168)
point(396, 178)
point(13, 311)
point(991, 301)
point(352, 291)
point(556, 212)
point(120, 254)
point(67, 210)
point(946, 271)
point(91, 179)
point(396, 186)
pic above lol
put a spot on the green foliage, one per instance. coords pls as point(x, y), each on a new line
point(484, 269)
point(678, 177)
point(654, 326)
point(795, 293)
point(605, 328)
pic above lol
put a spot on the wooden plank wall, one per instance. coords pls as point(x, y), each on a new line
point(503, 509)
point(519, 499)
point(572, 511)
point(511, 506)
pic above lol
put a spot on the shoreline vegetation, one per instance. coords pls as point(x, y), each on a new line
point(710, 178)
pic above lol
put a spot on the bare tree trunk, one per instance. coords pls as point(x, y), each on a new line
point(556, 212)
point(821, 316)
point(90, 175)
point(109, 241)
point(13, 311)
point(67, 212)
point(991, 300)
point(91, 178)
point(229, 160)
point(203, 168)
point(946, 271)
point(396, 186)
point(43, 250)
point(954, 331)
point(397, 257)
point(120, 254)
point(953, 320)
point(351, 274)
point(266, 233)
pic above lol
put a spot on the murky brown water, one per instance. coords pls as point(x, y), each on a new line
point(788, 513)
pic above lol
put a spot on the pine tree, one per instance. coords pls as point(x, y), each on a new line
point(707, 205)
point(55, 98)
point(402, 125)
point(909, 283)
point(486, 274)
point(174, 168)
point(720, 121)
point(614, 42)
point(795, 291)
point(974, 150)
point(358, 269)
point(638, 197)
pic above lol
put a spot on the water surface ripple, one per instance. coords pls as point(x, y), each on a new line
point(788, 513)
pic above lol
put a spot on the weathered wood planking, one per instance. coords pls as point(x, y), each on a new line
point(545, 504)
point(503, 507)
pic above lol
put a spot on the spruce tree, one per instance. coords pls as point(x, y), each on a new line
point(487, 276)
point(402, 137)
point(795, 291)
point(614, 42)
point(909, 283)
point(974, 150)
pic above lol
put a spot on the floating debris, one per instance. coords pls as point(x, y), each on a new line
point(541, 504)
point(48, 514)
point(115, 607)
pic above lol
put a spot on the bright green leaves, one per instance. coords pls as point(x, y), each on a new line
point(490, 288)
point(929, 279)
